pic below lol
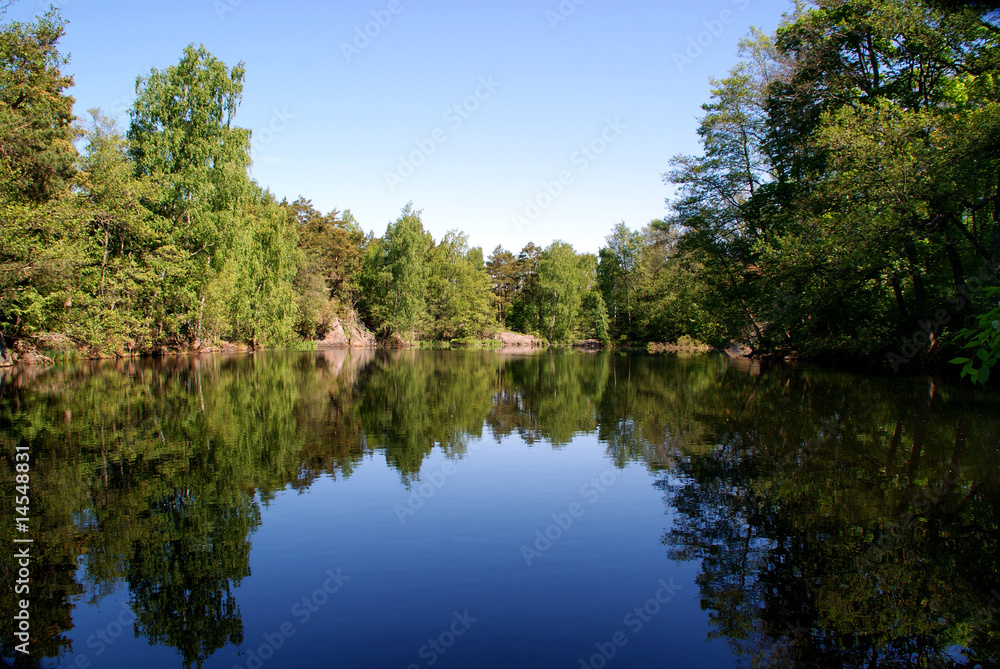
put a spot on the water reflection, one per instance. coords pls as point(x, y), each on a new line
point(841, 525)
point(839, 520)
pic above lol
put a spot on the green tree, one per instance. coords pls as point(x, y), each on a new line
point(716, 189)
point(254, 290)
point(893, 195)
point(115, 287)
point(39, 226)
point(673, 296)
point(182, 136)
point(503, 269)
point(36, 113)
point(616, 273)
point(459, 299)
point(333, 246)
point(564, 277)
point(394, 276)
point(525, 314)
point(849, 169)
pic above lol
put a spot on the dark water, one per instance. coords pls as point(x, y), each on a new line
point(477, 509)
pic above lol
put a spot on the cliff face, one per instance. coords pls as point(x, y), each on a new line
point(346, 333)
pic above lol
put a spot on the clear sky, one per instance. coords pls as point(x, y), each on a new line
point(568, 111)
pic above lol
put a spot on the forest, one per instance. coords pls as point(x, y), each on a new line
point(845, 206)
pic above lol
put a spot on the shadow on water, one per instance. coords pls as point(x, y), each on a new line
point(839, 520)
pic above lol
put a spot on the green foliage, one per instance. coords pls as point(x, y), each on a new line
point(846, 191)
point(504, 271)
point(393, 278)
point(332, 247)
point(39, 249)
point(163, 239)
point(459, 299)
point(617, 275)
point(182, 133)
point(985, 342)
point(258, 299)
point(181, 136)
point(36, 114)
point(564, 278)
point(849, 178)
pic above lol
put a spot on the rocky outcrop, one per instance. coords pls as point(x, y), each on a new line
point(682, 346)
point(351, 333)
point(589, 345)
point(26, 354)
point(514, 340)
point(335, 338)
point(737, 350)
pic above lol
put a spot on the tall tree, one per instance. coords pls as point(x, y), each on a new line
point(39, 227)
point(36, 113)
point(850, 168)
point(394, 278)
point(182, 135)
point(616, 272)
point(563, 279)
point(716, 191)
point(117, 285)
point(503, 269)
point(333, 246)
point(459, 298)
point(525, 314)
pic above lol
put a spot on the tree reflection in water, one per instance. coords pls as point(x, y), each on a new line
point(840, 520)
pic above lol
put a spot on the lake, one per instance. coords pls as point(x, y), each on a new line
point(484, 509)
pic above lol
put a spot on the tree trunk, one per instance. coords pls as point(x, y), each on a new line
point(918, 285)
point(957, 271)
point(900, 301)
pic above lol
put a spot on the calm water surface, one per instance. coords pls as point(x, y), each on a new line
point(479, 509)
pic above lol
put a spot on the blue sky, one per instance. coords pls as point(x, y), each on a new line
point(528, 120)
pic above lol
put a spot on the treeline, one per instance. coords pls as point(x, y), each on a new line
point(156, 236)
point(846, 204)
point(144, 238)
